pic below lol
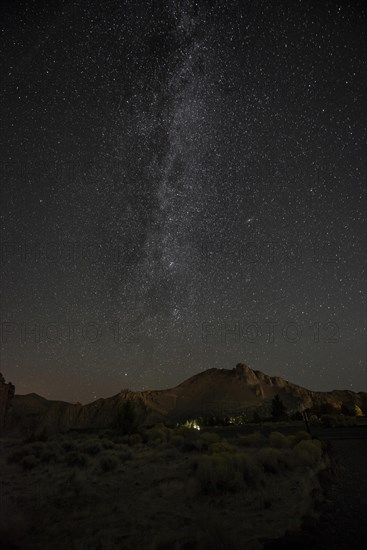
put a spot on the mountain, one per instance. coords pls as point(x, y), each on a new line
point(217, 392)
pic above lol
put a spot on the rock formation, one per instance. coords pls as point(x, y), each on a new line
point(214, 392)
point(6, 395)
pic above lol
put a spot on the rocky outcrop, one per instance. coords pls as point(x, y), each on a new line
point(214, 392)
point(6, 395)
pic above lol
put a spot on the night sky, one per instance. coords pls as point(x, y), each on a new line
point(183, 187)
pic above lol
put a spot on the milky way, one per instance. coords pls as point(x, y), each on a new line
point(183, 187)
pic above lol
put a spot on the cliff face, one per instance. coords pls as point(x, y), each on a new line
point(6, 395)
point(212, 392)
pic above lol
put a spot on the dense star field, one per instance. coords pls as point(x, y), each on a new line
point(183, 187)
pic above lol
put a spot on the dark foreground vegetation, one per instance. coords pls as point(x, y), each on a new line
point(157, 488)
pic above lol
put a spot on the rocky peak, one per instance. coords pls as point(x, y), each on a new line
point(244, 372)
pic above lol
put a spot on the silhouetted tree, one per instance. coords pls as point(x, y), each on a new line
point(127, 419)
point(278, 409)
point(256, 417)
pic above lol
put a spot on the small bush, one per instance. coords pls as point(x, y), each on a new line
point(251, 473)
point(38, 435)
point(279, 440)
point(75, 458)
point(92, 447)
point(221, 447)
point(301, 436)
point(75, 482)
point(168, 452)
point(17, 455)
point(108, 462)
point(209, 437)
point(269, 459)
point(177, 441)
point(287, 460)
point(218, 474)
point(107, 444)
point(194, 444)
point(135, 439)
point(308, 453)
point(38, 447)
point(68, 446)
point(29, 462)
point(125, 454)
point(49, 455)
point(252, 440)
point(156, 435)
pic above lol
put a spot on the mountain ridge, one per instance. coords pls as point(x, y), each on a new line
point(215, 392)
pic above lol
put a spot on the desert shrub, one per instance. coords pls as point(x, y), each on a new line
point(185, 431)
point(156, 435)
point(75, 458)
point(301, 436)
point(91, 447)
point(251, 472)
point(216, 536)
point(194, 444)
point(75, 481)
point(17, 455)
point(191, 438)
point(125, 454)
point(255, 439)
point(279, 440)
point(68, 446)
point(135, 439)
point(49, 455)
point(107, 444)
point(221, 447)
point(177, 441)
point(29, 462)
point(108, 462)
point(38, 435)
point(209, 437)
point(287, 460)
point(118, 439)
point(269, 459)
point(218, 474)
point(168, 452)
point(38, 447)
point(308, 453)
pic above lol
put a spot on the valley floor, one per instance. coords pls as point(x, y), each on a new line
point(167, 489)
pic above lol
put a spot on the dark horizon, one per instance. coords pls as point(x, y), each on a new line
point(161, 389)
